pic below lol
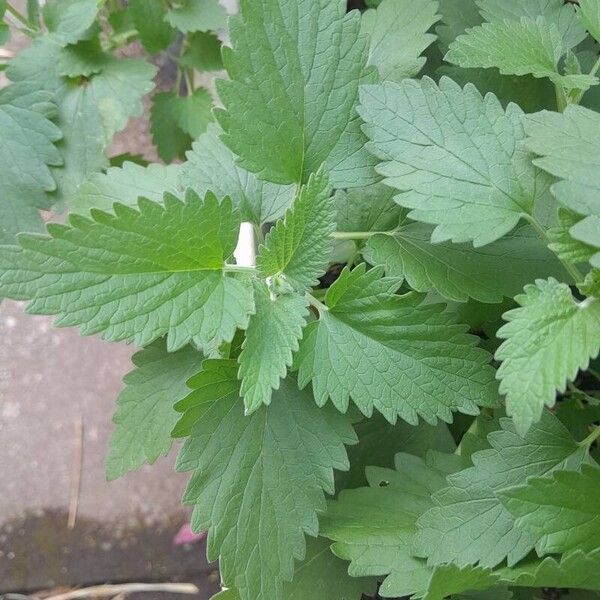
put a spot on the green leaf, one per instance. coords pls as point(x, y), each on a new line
point(271, 340)
point(83, 59)
point(529, 93)
point(170, 140)
point(229, 594)
point(258, 484)
point(124, 185)
point(149, 19)
point(379, 442)
point(589, 14)
point(468, 523)
point(137, 275)
point(69, 20)
point(295, 69)
point(299, 246)
point(392, 353)
point(398, 34)
point(457, 17)
point(459, 272)
point(195, 112)
point(176, 120)
point(561, 511)
point(574, 570)
point(569, 148)
point(525, 47)
point(26, 152)
point(89, 112)
point(323, 576)
point(216, 382)
point(563, 245)
point(197, 15)
point(373, 527)
point(450, 579)
point(367, 209)
point(202, 52)
point(553, 11)
point(469, 177)
point(549, 338)
point(211, 166)
point(145, 415)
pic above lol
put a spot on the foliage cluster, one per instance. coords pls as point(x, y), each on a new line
point(400, 396)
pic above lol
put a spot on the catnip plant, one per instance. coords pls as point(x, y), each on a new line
point(399, 397)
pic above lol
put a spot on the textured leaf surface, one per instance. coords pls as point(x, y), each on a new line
point(450, 579)
point(194, 15)
point(389, 353)
point(323, 576)
point(569, 148)
point(562, 510)
point(202, 52)
point(26, 152)
point(258, 484)
point(548, 339)
point(589, 13)
point(379, 442)
point(469, 176)
point(553, 11)
point(170, 139)
point(195, 112)
point(526, 47)
point(84, 58)
point(298, 247)
point(149, 19)
point(373, 527)
point(271, 340)
point(457, 17)
point(145, 415)
point(136, 275)
point(564, 245)
point(295, 68)
point(68, 20)
point(90, 112)
point(124, 185)
point(367, 209)
point(573, 570)
point(459, 271)
point(468, 523)
point(398, 34)
point(216, 382)
point(211, 166)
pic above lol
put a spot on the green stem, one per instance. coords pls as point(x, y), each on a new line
point(29, 30)
point(590, 439)
point(593, 72)
point(321, 308)
point(571, 269)
point(238, 269)
point(189, 81)
point(561, 98)
point(358, 235)
point(178, 80)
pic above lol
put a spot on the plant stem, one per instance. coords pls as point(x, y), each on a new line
point(238, 269)
point(569, 266)
point(590, 439)
point(561, 98)
point(127, 588)
point(29, 30)
point(321, 308)
point(358, 235)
